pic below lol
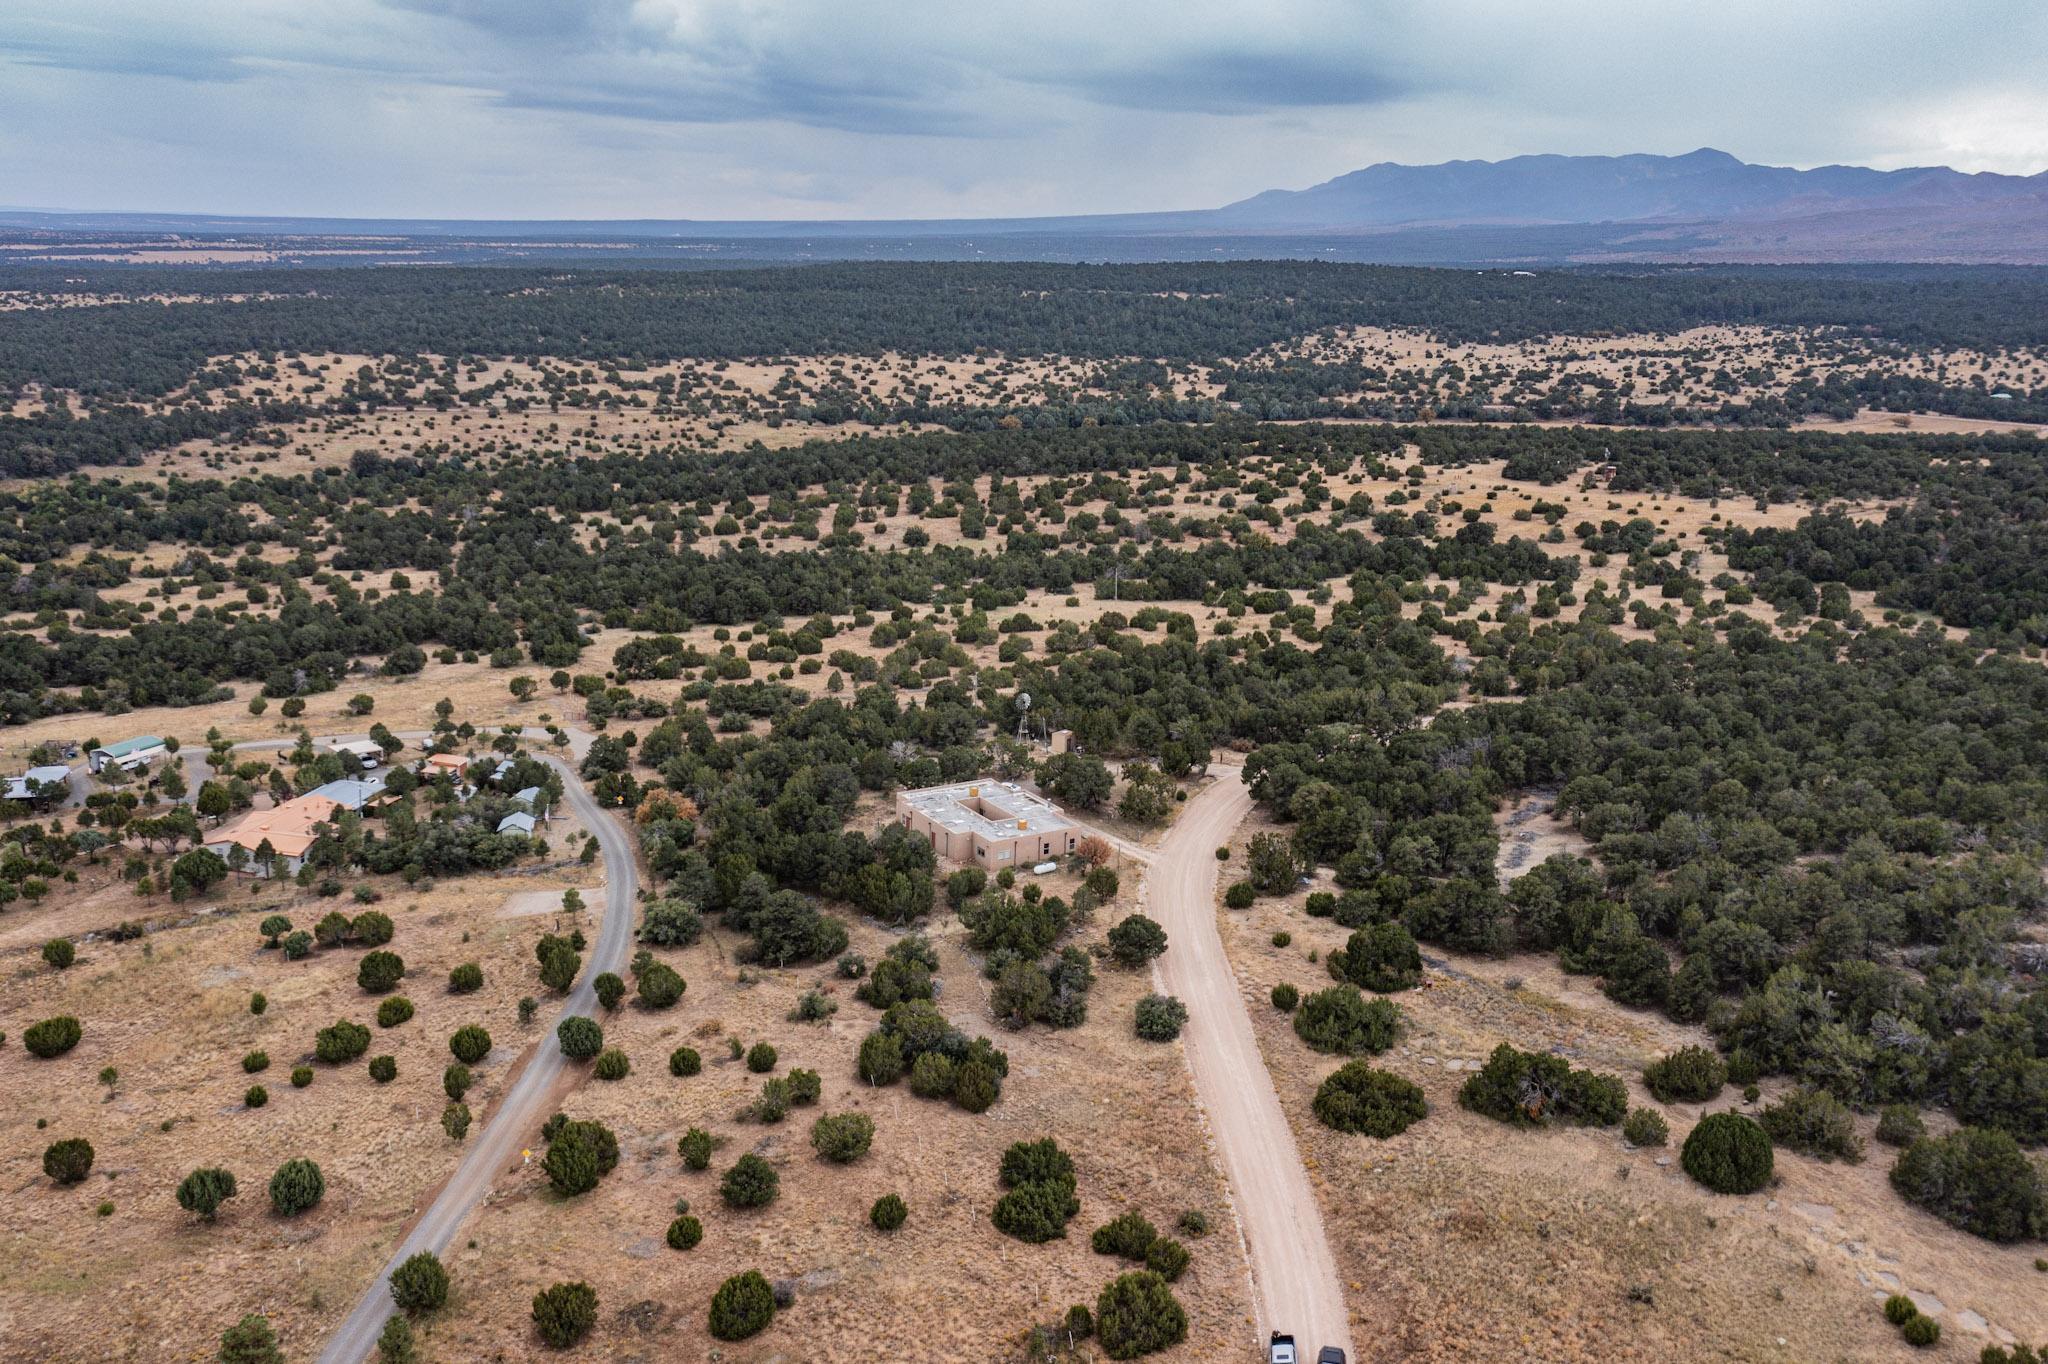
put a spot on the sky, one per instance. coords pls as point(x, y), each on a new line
point(848, 109)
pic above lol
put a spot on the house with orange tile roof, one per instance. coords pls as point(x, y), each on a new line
point(289, 829)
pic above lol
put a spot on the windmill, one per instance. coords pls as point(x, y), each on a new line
point(1023, 716)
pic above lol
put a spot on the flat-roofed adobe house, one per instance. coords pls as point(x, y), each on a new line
point(987, 824)
point(129, 754)
point(289, 829)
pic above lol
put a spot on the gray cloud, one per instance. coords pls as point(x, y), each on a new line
point(733, 108)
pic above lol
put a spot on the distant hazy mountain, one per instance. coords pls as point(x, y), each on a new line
point(1527, 210)
point(1701, 185)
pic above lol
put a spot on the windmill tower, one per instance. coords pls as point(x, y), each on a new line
point(1023, 716)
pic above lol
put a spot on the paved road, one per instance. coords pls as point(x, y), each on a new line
point(1293, 1274)
point(518, 1113)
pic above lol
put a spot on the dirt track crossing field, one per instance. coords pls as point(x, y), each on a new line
point(1296, 1288)
point(520, 1113)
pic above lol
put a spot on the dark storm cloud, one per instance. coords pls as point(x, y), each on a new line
point(859, 107)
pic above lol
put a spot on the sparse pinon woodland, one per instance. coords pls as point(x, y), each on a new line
point(1781, 691)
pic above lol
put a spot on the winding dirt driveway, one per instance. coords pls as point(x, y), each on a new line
point(1294, 1277)
point(521, 1110)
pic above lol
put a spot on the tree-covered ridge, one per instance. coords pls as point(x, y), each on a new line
point(1820, 847)
point(112, 355)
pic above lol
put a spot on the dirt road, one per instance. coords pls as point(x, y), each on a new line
point(519, 1114)
point(1293, 1274)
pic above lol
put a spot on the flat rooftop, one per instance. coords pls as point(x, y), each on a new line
point(993, 809)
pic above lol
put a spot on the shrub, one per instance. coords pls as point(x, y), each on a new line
point(888, 1213)
point(1135, 940)
point(1900, 1309)
point(932, 1077)
point(1040, 1201)
point(805, 1086)
point(420, 1284)
point(1160, 1018)
point(455, 1121)
point(52, 1037)
point(255, 1062)
point(694, 1146)
point(394, 1011)
point(383, 1069)
point(258, 1002)
point(743, 1306)
point(204, 1190)
point(750, 1183)
point(1900, 1125)
point(975, 1086)
point(579, 1155)
point(1813, 1122)
point(1340, 1019)
point(466, 979)
point(1285, 997)
point(685, 1061)
point(1036, 1213)
point(1977, 1179)
point(1358, 1098)
point(1168, 1259)
point(301, 1076)
point(1688, 1075)
point(761, 1058)
point(1137, 1314)
point(1128, 1235)
point(1645, 1127)
point(580, 1037)
point(684, 1233)
point(372, 928)
point(881, 1058)
point(59, 953)
point(1727, 1153)
point(273, 927)
point(1921, 1332)
point(297, 946)
point(565, 1313)
point(250, 1341)
point(1528, 1089)
point(1193, 1222)
point(671, 923)
point(297, 1186)
point(394, 1343)
point(456, 1080)
point(609, 990)
point(612, 1064)
point(333, 929)
point(1381, 957)
point(68, 1161)
point(341, 1042)
point(470, 1044)
point(1240, 895)
point(659, 986)
point(843, 1138)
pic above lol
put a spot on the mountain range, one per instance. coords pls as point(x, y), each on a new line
point(1705, 205)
